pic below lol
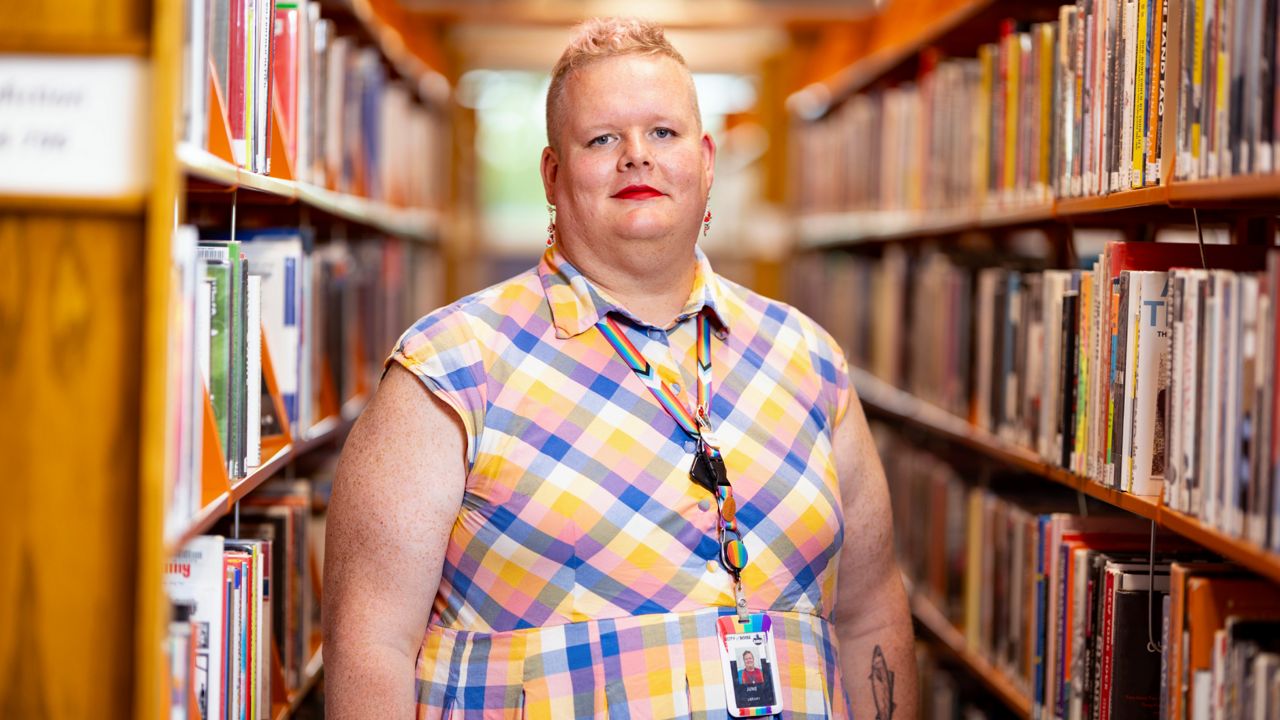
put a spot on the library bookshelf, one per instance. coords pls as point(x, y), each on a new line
point(84, 396)
point(208, 173)
point(833, 230)
point(908, 66)
point(884, 400)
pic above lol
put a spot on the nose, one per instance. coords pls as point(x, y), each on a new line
point(635, 152)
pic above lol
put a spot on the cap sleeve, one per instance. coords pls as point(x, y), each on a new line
point(828, 359)
point(443, 352)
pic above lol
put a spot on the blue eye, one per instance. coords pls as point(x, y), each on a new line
point(601, 140)
point(664, 132)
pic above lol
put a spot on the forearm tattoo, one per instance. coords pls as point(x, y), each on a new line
point(881, 685)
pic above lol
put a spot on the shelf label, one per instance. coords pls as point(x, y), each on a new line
point(73, 125)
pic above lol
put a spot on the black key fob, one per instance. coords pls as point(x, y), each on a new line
point(718, 470)
point(703, 473)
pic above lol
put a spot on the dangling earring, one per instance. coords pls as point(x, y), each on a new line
point(551, 225)
point(706, 222)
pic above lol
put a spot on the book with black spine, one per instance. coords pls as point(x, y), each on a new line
point(1135, 671)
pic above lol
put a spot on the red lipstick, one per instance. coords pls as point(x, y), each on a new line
point(637, 192)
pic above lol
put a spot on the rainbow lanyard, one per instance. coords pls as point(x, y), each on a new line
point(708, 469)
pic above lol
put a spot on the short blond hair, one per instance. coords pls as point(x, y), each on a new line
point(600, 38)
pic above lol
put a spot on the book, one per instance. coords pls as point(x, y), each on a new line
point(253, 372)
point(1135, 676)
point(195, 576)
point(1146, 466)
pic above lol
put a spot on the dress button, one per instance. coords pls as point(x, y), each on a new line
point(675, 388)
point(655, 334)
point(713, 566)
point(704, 505)
point(690, 446)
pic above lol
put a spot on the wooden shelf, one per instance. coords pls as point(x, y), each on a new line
point(817, 98)
point(953, 641)
point(1125, 200)
point(323, 433)
point(852, 228)
point(74, 204)
point(824, 230)
point(139, 46)
point(886, 400)
point(414, 223)
point(1246, 187)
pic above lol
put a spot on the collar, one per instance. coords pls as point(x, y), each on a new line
point(577, 304)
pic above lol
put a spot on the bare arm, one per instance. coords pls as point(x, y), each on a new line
point(397, 494)
point(873, 621)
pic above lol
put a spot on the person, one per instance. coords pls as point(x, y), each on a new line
point(750, 674)
point(548, 511)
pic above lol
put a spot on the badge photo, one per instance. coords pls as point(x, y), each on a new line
point(749, 661)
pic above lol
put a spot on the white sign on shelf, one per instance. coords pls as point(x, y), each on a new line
point(73, 125)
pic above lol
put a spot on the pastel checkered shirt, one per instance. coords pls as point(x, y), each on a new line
point(581, 578)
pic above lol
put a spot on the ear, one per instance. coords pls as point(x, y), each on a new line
point(709, 159)
point(550, 172)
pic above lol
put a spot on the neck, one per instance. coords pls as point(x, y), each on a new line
point(652, 283)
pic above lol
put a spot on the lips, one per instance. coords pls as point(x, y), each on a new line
point(637, 192)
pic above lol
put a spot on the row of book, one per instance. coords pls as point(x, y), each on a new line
point(345, 124)
point(328, 313)
point(1092, 615)
point(1069, 108)
point(245, 608)
point(1228, 88)
point(1137, 374)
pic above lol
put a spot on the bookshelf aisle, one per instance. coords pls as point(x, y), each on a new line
point(1045, 235)
point(206, 206)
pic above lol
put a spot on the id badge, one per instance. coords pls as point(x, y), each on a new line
point(750, 664)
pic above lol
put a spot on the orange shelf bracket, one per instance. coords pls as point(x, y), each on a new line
point(219, 131)
point(271, 444)
point(281, 162)
point(213, 478)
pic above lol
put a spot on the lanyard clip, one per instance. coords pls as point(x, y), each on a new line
point(705, 432)
point(740, 600)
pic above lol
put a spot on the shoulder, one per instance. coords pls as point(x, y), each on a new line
point(472, 324)
point(778, 322)
point(768, 325)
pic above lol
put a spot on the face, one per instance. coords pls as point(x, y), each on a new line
point(749, 660)
point(632, 164)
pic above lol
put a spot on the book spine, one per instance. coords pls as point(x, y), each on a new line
point(1009, 125)
point(1220, 157)
point(1083, 368)
point(1155, 112)
point(1138, 79)
point(1265, 92)
point(1079, 98)
point(1107, 653)
point(1130, 52)
point(1152, 360)
point(1038, 667)
point(1089, 86)
point(1183, 165)
point(1196, 140)
point(1177, 389)
point(1067, 421)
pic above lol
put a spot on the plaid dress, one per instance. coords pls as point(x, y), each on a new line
point(580, 578)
